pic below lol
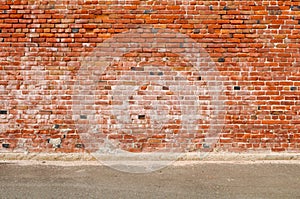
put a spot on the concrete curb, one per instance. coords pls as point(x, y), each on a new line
point(186, 157)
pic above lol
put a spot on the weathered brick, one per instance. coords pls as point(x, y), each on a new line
point(253, 44)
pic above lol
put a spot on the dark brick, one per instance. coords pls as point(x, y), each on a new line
point(148, 11)
point(137, 68)
point(75, 30)
point(237, 88)
point(221, 59)
point(141, 117)
point(3, 112)
point(295, 8)
point(84, 117)
point(165, 88)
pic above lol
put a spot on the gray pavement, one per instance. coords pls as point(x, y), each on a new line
point(202, 180)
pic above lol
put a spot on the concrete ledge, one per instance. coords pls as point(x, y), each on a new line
point(47, 156)
point(141, 157)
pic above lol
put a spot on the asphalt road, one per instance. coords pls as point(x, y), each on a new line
point(205, 180)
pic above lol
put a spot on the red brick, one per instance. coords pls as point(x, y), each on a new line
point(5, 25)
point(258, 42)
point(46, 35)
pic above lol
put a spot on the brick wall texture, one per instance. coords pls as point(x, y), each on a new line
point(147, 75)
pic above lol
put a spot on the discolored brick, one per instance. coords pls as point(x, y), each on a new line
point(45, 45)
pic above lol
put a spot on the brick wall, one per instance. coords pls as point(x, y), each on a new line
point(149, 75)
